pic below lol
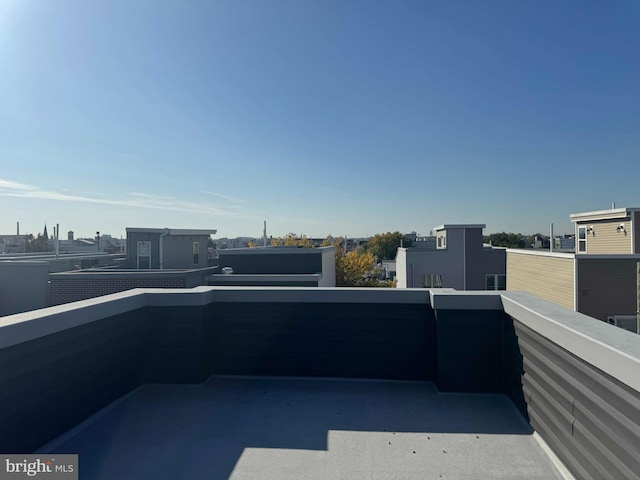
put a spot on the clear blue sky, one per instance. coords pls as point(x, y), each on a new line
point(321, 117)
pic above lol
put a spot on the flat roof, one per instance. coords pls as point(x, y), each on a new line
point(450, 226)
point(610, 214)
point(293, 249)
point(172, 231)
point(283, 428)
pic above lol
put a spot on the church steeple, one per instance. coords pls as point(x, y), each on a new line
point(45, 232)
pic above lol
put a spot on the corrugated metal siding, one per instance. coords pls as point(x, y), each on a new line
point(547, 277)
point(589, 419)
point(607, 239)
point(606, 287)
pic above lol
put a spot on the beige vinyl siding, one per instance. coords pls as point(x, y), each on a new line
point(606, 239)
point(547, 277)
point(606, 287)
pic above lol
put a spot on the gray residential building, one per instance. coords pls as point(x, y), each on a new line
point(167, 248)
point(458, 260)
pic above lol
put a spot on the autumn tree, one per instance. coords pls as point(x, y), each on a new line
point(383, 246)
point(355, 268)
point(292, 240)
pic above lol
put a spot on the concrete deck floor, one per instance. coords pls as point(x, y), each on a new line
point(274, 428)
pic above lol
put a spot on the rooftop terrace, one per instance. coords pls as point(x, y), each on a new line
point(257, 382)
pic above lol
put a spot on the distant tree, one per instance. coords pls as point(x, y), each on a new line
point(356, 268)
point(37, 244)
point(292, 240)
point(509, 240)
point(383, 246)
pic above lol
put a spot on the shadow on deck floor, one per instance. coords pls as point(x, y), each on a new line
point(275, 428)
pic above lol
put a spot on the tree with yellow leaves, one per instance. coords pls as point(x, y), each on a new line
point(292, 240)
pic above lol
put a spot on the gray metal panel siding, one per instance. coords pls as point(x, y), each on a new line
point(606, 287)
point(262, 283)
point(328, 261)
point(484, 262)
point(589, 419)
point(51, 384)
point(275, 263)
point(177, 344)
point(636, 232)
point(470, 350)
point(448, 263)
point(177, 251)
point(23, 287)
point(388, 341)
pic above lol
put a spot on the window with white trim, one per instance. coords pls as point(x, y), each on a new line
point(143, 255)
point(582, 239)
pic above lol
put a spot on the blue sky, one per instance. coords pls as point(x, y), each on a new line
point(327, 117)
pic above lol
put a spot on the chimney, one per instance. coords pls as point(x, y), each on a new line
point(264, 235)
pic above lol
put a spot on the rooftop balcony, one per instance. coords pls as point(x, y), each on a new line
point(259, 382)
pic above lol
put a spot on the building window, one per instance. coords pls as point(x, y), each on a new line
point(495, 282)
point(582, 239)
point(442, 241)
point(196, 252)
point(432, 281)
point(144, 255)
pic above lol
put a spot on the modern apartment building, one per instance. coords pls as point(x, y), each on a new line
point(599, 279)
point(167, 248)
point(459, 260)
